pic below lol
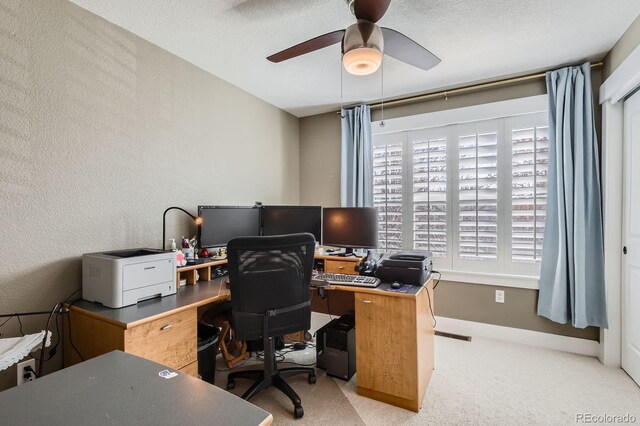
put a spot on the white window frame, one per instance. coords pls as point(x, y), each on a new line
point(500, 272)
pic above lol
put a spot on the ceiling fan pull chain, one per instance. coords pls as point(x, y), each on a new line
point(382, 123)
point(341, 104)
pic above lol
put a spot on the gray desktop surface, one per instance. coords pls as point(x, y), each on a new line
point(122, 389)
point(185, 296)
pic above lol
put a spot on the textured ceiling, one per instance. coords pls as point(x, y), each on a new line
point(476, 40)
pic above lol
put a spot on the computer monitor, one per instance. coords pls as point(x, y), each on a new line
point(350, 227)
point(281, 220)
point(220, 224)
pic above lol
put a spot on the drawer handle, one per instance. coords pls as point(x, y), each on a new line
point(340, 267)
point(366, 301)
point(166, 327)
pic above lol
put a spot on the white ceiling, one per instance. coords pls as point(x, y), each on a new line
point(476, 40)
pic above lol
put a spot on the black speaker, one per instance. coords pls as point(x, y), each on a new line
point(336, 347)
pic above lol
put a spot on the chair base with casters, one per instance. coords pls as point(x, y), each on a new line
point(272, 376)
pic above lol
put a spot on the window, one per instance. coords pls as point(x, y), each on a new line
point(472, 191)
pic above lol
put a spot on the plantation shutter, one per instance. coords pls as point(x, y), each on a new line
point(530, 156)
point(387, 195)
point(430, 195)
point(478, 196)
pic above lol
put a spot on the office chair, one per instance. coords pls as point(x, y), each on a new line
point(269, 280)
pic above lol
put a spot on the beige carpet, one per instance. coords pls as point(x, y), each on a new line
point(323, 402)
point(487, 382)
point(484, 382)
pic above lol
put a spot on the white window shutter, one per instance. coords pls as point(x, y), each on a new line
point(530, 157)
point(387, 195)
point(478, 196)
point(430, 195)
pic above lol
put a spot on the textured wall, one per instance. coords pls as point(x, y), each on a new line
point(320, 153)
point(320, 160)
point(100, 131)
point(623, 47)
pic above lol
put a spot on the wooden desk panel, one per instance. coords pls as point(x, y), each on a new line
point(337, 303)
point(394, 347)
point(96, 330)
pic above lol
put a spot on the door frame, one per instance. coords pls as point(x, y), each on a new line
point(623, 81)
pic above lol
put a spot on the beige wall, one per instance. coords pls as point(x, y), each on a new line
point(623, 47)
point(320, 153)
point(320, 160)
point(100, 131)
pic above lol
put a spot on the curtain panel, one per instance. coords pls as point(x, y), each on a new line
point(572, 271)
point(356, 177)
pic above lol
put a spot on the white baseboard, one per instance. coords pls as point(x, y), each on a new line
point(518, 335)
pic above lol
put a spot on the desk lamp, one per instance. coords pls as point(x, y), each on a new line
point(196, 219)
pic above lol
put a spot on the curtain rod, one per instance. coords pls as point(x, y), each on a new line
point(465, 89)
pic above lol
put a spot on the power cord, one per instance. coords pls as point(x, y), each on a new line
point(17, 316)
point(439, 277)
point(44, 339)
point(71, 337)
point(435, 322)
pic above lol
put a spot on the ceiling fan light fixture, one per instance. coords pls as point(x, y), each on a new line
point(362, 61)
point(362, 47)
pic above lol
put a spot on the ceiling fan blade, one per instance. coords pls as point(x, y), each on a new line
point(371, 10)
point(401, 47)
point(308, 46)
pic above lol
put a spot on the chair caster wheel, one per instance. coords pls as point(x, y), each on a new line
point(312, 379)
point(298, 412)
point(231, 385)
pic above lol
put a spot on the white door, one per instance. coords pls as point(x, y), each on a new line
point(631, 240)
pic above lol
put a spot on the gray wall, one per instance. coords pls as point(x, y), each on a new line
point(623, 47)
point(100, 131)
point(320, 184)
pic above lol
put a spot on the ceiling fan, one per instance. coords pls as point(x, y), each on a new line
point(364, 43)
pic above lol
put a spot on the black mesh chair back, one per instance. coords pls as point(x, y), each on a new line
point(270, 274)
point(270, 297)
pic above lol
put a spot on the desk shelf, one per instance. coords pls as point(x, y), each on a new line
point(203, 269)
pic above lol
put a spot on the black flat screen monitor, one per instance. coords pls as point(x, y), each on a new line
point(350, 227)
point(220, 224)
point(281, 220)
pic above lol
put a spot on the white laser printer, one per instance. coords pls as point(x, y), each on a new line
point(126, 277)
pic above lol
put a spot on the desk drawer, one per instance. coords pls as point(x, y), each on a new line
point(170, 340)
point(340, 267)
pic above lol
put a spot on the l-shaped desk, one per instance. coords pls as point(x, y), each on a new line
point(394, 332)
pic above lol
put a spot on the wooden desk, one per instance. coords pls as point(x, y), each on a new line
point(118, 388)
point(162, 330)
point(394, 340)
point(394, 332)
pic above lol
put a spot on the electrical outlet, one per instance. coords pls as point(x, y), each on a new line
point(22, 374)
point(499, 296)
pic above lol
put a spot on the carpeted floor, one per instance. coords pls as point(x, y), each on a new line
point(484, 382)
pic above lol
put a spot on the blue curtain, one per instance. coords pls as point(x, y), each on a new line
point(572, 271)
point(356, 177)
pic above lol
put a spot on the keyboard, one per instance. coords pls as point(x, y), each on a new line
point(344, 279)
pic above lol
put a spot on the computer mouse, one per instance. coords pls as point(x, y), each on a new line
point(396, 285)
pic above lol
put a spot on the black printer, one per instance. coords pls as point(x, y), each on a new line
point(406, 267)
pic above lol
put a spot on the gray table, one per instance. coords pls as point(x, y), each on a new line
point(123, 389)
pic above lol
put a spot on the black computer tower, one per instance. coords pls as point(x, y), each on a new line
point(336, 347)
